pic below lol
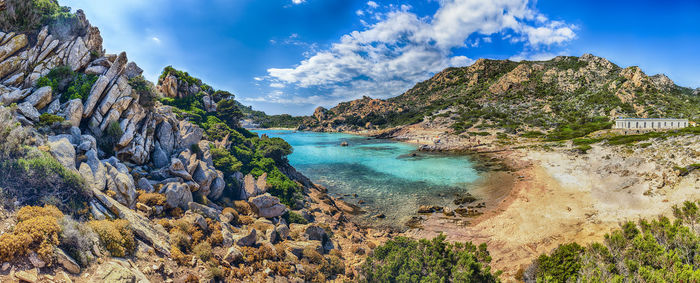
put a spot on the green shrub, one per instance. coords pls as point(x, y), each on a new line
point(658, 251)
point(293, 217)
point(47, 119)
point(27, 16)
point(110, 138)
point(406, 260)
point(145, 90)
point(68, 84)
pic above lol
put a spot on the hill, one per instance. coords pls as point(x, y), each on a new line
point(517, 97)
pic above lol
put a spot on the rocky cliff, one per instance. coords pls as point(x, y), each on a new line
point(200, 196)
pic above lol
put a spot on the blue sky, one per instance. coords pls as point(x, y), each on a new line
point(289, 56)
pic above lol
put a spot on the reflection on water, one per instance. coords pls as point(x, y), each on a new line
point(388, 177)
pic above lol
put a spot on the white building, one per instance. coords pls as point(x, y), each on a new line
point(650, 123)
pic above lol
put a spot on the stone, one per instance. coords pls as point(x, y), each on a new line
point(297, 248)
point(233, 255)
point(246, 240)
point(67, 262)
point(102, 82)
point(160, 158)
point(95, 70)
point(227, 234)
point(62, 277)
point(267, 206)
point(121, 183)
point(197, 219)
point(153, 233)
point(64, 152)
point(14, 96)
point(250, 187)
point(73, 112)
point(315, 232)
point(27, 275)
point(40, 97)
point(28, 111)
point(204, 176)
point(272, 236)
point(261, 183)
point(97, 168)
point(165, 136)
point(204, 210)
point(6, 266)
point(54, 107)
point(144, 208)
point(118, 271)
point(132, 70)
point(283, 231)
point(177, 169)
point(79, 55)
point(177, 195)
point(216, 190)
point(12, 46)
point(35, 260)
point(145, 185)
point(189, 134)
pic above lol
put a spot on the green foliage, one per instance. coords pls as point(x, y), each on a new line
point(293, 217)
point(532, 134)
point(145, 91)
point(571, 63)
point(656, 251)
point(275, 148)
point(68, 84)
point(564, 263)
point(579, 128)
point(406, 260)
point(229, 113)
point(27, 16)
point(46, 119)
point(36, 175)
point(110, 137)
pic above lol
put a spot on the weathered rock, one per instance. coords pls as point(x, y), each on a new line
point(145, 185)
point(315, 232)
point(54, 107)
point(14, 96)
point(12, 46)
point(297, 248)
point(246, 240)
point(119, 271)
point(216, 190)
point(79, 55)
point(95, 70)
point(40, 97)
point(177, 195)
point(197, 219)
point(282, 231)
point(267, 206)
point(189, 134)
point(35, 260)
point(250, 188)
point(204, 210)
point(64, 152)
point(132, 70)
point(67, 262)
point(272, 236)
point(102, 82)
point(177, 169)
point(209, 104)
point(27, 275)
point(227, 234)
point(27, 110)
point(261, 183)
point(122, 184)
point(204, 176)
point(165, 137)
point(160, 158)
point(73, 112)
point(233, 255)
point(153, 233)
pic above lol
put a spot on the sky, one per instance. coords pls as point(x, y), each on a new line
point(290, 56)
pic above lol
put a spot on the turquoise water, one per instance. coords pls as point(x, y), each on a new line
point(389, 177)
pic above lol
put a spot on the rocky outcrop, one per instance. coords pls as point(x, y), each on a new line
point(119, 270)
point(267, 206)
point(63, 151)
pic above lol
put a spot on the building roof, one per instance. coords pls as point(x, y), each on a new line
point(647, 119)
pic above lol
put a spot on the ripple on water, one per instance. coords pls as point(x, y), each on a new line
point(389, 177)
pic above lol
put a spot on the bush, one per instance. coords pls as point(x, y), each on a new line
point(68, 84)
point(47, 119)
point(116, 236)
point(37, 230)
point(293, 217)
point(406, 260)
point(564, 263)
point(110, 137)
point(26, 16)
point(145, 91)
point(203, 250)
point(152, 199)
point(12, 135)
point(33, 177)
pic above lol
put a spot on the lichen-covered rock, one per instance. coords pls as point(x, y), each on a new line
point(64, 152)
point(177, 195)
point(73, 112)
point(119, 271)
point(28, 111)
point(40, 97)
point(267, 206)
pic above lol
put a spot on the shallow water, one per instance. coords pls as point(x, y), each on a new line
point(389, 177)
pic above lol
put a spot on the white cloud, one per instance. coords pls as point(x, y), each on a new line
point(277, 85)
point(156, 39)
point(360, 13)
point(400, 49)
point(296, 2)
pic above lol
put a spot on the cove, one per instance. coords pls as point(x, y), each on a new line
point(387, 177)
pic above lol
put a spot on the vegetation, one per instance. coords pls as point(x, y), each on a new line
point(110, 137)
point(648, 251)
point(37, 230)
point(26, 16)
point(405, 260)
point(579, 128)
point(46, 119)
point(116, 236)
point(145, 91)
point(68, 84)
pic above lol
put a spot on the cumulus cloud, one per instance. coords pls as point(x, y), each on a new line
point(401, 48)
point(296, 2)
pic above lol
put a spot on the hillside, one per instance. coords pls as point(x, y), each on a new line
point(517, 97)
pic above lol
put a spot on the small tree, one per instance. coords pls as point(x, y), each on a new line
point(228, 112)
